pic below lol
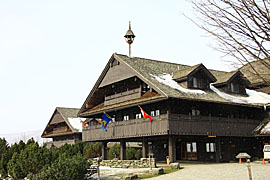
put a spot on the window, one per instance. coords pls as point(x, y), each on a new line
point(195, 83)
point(235, 88)
point(113, 119)
point(198, 83)
point(138, 116)
point(194, 147)
point(210, 147)
point(157, 112)
point(126, 118)
point(195, 112)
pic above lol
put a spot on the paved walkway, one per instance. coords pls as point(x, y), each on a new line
point(221, 171)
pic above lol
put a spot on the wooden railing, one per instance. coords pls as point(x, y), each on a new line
point(130, 128)
point(211, 126)
point(124, 96)
point(175, 124)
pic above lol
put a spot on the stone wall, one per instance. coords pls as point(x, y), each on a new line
point(142, 163)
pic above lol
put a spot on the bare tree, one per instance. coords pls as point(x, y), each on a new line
point(241, 28)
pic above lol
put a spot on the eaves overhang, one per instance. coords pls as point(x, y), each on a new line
point(120, 107)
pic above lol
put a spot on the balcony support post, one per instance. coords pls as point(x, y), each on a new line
point(122, 150)
point(104, 150)
point(172, 149)
point(144, 148)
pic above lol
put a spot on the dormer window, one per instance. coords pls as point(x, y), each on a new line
point(234, 88)
point(197, 77)
point(198, 83)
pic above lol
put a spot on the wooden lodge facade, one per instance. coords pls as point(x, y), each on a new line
point(63, 127)
point(198, 114)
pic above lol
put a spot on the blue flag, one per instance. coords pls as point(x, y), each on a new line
point(105, 121)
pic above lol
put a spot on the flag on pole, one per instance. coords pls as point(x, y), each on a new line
point(105, 121)
point(145, 115)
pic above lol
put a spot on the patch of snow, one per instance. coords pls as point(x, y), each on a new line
point(266, 128)
point(258, 127)
point(168, 80)
point(76, 123)
point(254, 97)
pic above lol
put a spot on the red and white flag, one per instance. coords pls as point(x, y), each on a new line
point(145, 115)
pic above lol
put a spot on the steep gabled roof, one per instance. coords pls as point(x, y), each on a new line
point(69, 116)
point(158, 75)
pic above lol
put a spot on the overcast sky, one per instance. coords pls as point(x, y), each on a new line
point(53, 51)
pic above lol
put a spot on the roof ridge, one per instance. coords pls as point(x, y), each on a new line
point(154, 60)
point(66, 108)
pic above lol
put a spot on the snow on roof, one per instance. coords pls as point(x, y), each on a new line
point(168, 80)
point(76, 123)
point(253, 97)
point(266, 129)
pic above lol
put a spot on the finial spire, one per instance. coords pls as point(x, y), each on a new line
point(129, 38)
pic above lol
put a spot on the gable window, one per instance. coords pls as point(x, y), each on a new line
point(210, 147)
point(126, 117)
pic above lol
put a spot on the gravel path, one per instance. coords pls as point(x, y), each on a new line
point(222, 171)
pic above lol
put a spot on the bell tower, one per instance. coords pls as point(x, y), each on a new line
point(129, 38)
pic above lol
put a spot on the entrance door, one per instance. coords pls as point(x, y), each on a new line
point(189, 151)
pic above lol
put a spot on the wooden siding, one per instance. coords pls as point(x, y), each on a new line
point(180, 124)
point(116, 74)
point(57, 118)
point(124, 96)
point(125, 129)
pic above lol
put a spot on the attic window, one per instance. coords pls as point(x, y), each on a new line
point(114, 63)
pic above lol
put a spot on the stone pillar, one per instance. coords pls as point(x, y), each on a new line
point(144, 148)
point(104, 150)
point(122, 150)
point(172, 149)
point(218, 149)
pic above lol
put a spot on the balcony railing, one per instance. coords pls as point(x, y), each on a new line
point(211, 126)
point(175, 124)
point(125, 129)
point(124, 96)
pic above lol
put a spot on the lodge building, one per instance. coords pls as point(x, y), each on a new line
point(198, 113)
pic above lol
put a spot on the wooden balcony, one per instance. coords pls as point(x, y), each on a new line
point(211, 126)
point(124, 96)
point(126, 129)
point(174, 124)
